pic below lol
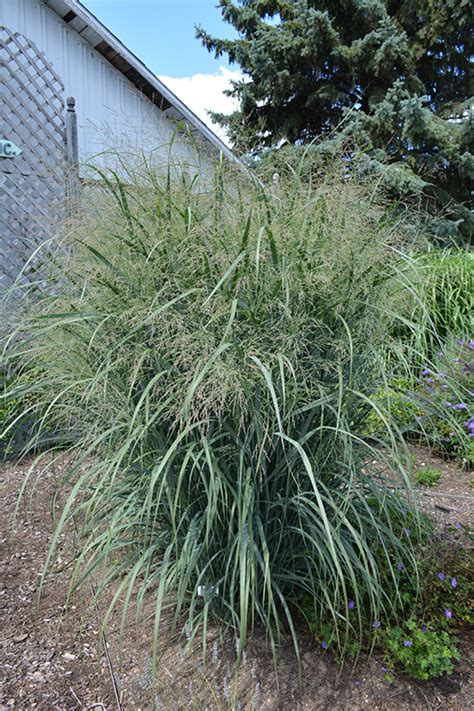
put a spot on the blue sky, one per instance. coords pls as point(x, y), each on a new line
point(161, 32)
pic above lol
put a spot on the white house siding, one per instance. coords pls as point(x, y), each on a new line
point(111, 110)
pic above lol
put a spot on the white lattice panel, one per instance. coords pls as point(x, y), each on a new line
point(32, 185)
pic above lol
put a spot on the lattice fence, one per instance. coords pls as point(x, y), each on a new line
point(32, 185)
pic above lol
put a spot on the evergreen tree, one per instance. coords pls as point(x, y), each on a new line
point(389, 76)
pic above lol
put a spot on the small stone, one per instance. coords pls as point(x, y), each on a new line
point(37, 676)
point(69, 657)
point(21, 637)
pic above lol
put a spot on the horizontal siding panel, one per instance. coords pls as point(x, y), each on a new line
point(110, 109)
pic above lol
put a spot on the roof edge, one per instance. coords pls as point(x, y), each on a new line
point(75, 9)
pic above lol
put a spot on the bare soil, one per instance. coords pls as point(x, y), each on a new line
point(53, 658)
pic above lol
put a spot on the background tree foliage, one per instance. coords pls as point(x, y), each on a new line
point(390, 77)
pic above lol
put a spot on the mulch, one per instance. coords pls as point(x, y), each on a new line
point(54, 657)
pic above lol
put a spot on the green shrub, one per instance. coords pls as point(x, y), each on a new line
point(420, 652)
point(447, 297)
point(436, 306)
point(394, 402)
point(435, 404)
point(423, 644)
point(20, 432)
point(422, 641)
point(428, 476)
point(432, 323)
point(213, 353)
point(6, 415)
point(15, 425)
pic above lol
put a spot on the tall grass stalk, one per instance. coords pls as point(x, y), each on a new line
point(438, 305)
point(210, 354)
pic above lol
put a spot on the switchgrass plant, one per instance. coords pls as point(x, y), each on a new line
point(429, 352)
point(436, 307)
point(447, 294)
point(210, 353)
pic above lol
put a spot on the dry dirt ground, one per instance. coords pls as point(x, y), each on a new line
point(56, 659)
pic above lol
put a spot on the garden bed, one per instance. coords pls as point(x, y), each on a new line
point(51, 659)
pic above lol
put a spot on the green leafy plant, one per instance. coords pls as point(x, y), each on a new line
point(211, 353)
point(6, 416)
point(393, 400)
point(446, 595)
point(420, 652)
point(430, 355)
point(422, 641)
point(15, 425)
point(427, 476)
point(444, 307)
point(19, 416)
point(435, 404)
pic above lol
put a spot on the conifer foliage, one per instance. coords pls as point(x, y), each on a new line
point(391, 77)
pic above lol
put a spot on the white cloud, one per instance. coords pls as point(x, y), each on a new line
point(205, 92)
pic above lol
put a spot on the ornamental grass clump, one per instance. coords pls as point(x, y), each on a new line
point(209, 352)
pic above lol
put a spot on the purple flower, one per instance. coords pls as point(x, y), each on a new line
point(451, 434)
point(429, 380)
point(448, 613)
point(426, 371)
point(407, 532)
point(324, 645)
point(351, 604)
point(459, 342)
point(470, 424)
point(448, 404)
point(440, 576)
point(400, 566)
point(470, 345)
point(459, 526)
point(454, 582)
point(376, 624)
point(407, 643)
point(424, 628)
point(460, 406)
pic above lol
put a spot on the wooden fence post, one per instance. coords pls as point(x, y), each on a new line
point(72, 153)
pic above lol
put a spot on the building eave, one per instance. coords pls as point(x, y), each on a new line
point(79, 18)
